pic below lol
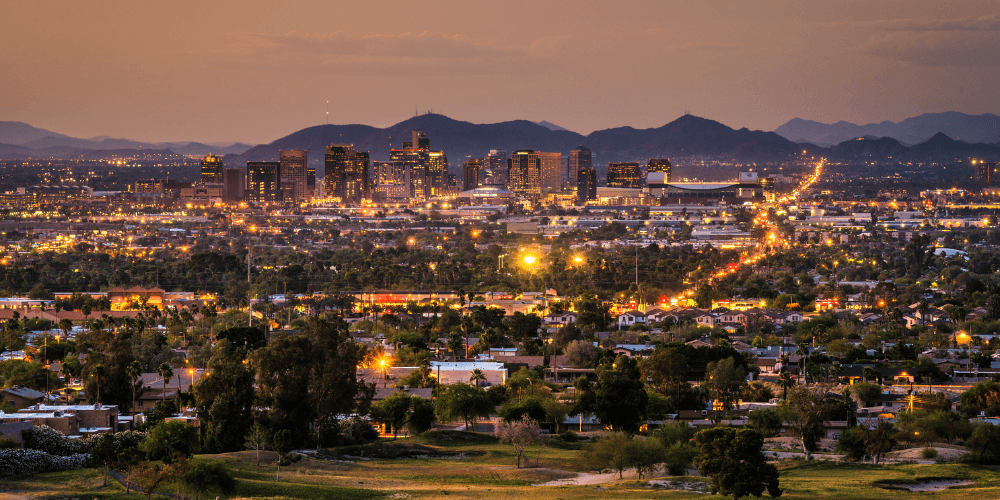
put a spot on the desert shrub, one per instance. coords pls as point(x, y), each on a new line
point(928, 453)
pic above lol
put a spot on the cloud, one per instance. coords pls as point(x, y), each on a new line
point(983, 23)
point(937, 49)
point(423, 54)
point(958, 42)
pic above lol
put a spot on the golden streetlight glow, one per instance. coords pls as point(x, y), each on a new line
point(529, 259)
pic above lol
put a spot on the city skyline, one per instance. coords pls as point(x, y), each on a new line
point(161, 73)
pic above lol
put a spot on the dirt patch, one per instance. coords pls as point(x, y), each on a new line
point(925, 485)
point(587, 479)
point(916, 454)
point(389, 451)
point(678, 485)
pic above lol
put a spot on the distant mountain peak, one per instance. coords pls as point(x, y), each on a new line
point(969, 128)
point(551, 126)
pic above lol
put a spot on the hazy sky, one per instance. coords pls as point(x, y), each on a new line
point(254, 71)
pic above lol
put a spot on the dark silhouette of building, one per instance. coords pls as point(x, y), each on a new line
point(310, 182)
point(586, 184)
point(988, 172)
point(264, 182)
point(579, 158)
point(659, 165)
point(235, 181)
point(470, 174)
point(524, 170)
point(346, 173)
point(293, 174)
point(211, 170)
point(624, 175)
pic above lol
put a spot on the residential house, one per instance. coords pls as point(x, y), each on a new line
point(630, 318)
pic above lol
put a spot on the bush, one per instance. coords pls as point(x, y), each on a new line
point(928, 453)
point(14, 462)
point(205, 475)
point(678, 457)
point(356, 430)
point(851, 445)
point(984, 445)
point(167, 440)
point(48, 440)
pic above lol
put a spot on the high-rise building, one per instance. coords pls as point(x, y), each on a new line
point(579, 158)
point(552, 171)
point(264, 182)
point(524, 170)
point(211, 170)
point(470, 174)
point(346, 173)
point(494, 169)
point(988, 172)
point(624, 175)
point(659, 165)
point(293, 174)
point(427, 170)
point(418, 140)
point(234, 181)
point(392, 181)
point(310, 183)
point(586, 184)
point(437, 172)
point(410, 162)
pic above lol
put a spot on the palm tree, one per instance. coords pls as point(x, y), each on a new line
point(97, 372)
point(133, 372)
point(786, 381)
point(167, 372)
point(66, 326)
point(477, 375)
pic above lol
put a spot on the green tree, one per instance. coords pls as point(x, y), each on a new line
point(806, 410)
point(395, 410)
point(224, 398)
point(866, 394)
point(620, 399)
point(463, 401)
point(725, 381)
point(982, 397)
point(767, 421)
point(734, 460)
point(984, 444)
point(282, 442)
point(168, 440)
point(256, 439)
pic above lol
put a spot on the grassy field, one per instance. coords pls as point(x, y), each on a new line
point(480, 468)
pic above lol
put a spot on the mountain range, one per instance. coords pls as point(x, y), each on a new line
point(686, 136)
point(20, 140)
point(983, 128)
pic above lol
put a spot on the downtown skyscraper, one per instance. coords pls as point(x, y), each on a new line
point(346, 173)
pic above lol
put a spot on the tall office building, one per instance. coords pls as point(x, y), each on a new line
point(392, 181)
point(552, 171)
point(494, 169)
point(310, 183)
point(211, 170)
point(524, 170)
point(988, 173)
point(437, 172)
point(579, 158)
point(234, 181)
point(264, 182)
point(293, 174)
point(659, 165)
point(470, 174)
point(586, 185)
point(346, 173)
point(624, 175)
point(427, 170)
